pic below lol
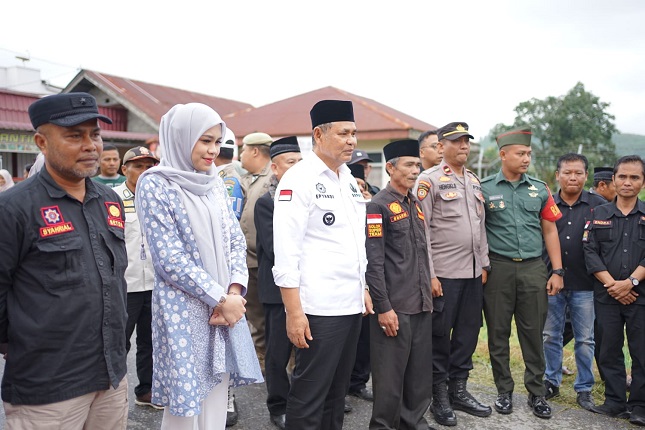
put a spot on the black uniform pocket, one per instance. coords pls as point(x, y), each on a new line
point(115, 241)
point(62, 265)
point(438, 316)
point(602, 233)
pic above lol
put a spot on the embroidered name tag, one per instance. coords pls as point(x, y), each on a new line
point(601, 222)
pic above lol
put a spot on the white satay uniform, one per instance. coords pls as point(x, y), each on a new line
point(139, 275)
point(319, 238)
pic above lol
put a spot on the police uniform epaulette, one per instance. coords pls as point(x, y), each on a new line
point(431, 169)
point(473, 173)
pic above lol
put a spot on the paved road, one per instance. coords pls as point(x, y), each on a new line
point(254, 416)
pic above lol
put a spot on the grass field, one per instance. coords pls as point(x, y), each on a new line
point(482, 373)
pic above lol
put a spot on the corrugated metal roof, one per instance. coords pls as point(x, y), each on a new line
point(150, 100)
point(13, 108)
point(291, 117)
point(14, 116)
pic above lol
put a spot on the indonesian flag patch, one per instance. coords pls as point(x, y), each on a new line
point(285, 195)
point(374, 225)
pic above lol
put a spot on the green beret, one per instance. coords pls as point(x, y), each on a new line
point(519, 136)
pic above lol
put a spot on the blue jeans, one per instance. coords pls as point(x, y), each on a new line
point(580, 304)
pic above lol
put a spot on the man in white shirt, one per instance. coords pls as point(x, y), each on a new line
point(320, 262)
point(139, 274)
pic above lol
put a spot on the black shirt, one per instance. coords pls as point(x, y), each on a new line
point(398, 268)
point(616, 243)
point(570, 230)
point(62, 291)
point(268, 291)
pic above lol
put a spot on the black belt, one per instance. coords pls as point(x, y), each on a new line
point(515, 260)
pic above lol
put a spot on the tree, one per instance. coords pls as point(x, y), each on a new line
point(569, 123)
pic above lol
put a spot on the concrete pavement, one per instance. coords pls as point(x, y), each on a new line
point(254, 416)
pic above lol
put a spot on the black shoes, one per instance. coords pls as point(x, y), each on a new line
point(504, 403)
point(462, 400)
point(541, 408)
point(585, 400)
point(440, 407)
point(348, 407)
point(637, 419)
point(364, 393)
point(551, 390)
point(278, 421)
point(611, 411)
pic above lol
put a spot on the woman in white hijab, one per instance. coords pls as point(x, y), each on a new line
point(199, 333)
point(6, 181)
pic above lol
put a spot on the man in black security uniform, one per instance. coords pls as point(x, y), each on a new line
point(398, 275)
point(62, 286)
point(285, 153)
point(614, 245)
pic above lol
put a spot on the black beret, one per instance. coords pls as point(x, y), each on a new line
point(326, 111)
point(286, 144)
point(65, 110)
point(401, 148)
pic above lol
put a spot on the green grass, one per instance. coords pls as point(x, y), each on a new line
point(482, 373)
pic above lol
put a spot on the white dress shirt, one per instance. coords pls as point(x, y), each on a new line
point(319, 238)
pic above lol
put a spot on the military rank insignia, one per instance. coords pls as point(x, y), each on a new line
point(114, 215)
point(374, 225)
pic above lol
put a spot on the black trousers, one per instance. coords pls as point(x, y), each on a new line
point(362, 368)
point(401, 376)
point(455, 329)
point(278, 353)
point(613, 321)
point(320, 379)
point(140, 315)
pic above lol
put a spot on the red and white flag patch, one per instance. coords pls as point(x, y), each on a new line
point(285, 195)
point(374, 225)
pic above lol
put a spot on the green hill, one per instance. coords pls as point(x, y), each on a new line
point(627, 144)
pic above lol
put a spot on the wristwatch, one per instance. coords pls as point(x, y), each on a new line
point(488, 268)
point(559, 272)
point(634, 281)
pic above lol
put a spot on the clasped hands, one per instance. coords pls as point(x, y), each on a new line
point(231, 310)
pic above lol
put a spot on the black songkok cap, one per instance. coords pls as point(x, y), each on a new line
point(358, 170)
point(401, 148)
point(65, 110)
point(603, 173)
point(286, 144)
point(326, 111)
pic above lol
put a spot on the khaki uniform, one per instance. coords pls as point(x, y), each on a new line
point(254, 186)
point(454, 217)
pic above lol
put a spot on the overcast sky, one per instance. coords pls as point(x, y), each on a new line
point(439, 61)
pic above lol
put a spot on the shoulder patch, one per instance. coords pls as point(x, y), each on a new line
point(423, 189)
point(374, 225)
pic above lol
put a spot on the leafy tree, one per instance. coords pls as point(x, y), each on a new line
point(569, 123)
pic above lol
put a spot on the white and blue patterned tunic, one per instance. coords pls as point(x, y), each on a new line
point(190, 355)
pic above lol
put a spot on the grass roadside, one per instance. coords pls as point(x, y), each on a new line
point(482, 373)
